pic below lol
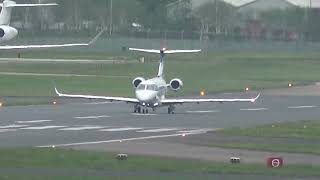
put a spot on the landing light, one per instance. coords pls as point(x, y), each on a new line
point(202, 93)
point(290, 85)
point(247, 89)
point(1, 104)
point(183, 135)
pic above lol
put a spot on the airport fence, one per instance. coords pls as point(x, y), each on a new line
point(118, 43)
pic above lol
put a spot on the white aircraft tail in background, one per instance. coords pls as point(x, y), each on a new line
point(150, 93)
point(7, 32)
point(7, 5)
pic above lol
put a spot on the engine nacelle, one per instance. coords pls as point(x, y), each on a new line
point(7, 33)
point(176, 84)
point(137, 81)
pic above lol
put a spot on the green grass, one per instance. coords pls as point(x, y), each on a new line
point(214, 73)
point(290, 148)
point(302, 129)
point(104, 162)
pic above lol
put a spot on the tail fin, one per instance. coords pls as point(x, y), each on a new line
point(162, 53)
point(7, 5)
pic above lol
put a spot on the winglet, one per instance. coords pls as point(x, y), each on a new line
point(57, 92)
point(256, 98)
point(94, 40)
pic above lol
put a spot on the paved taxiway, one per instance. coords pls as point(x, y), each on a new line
point(91, 123)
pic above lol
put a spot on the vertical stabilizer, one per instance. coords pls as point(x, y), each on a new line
point(161, 64)
point(5, 15)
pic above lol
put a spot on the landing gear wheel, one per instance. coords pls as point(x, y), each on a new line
point(137, 109)
point(171, 110)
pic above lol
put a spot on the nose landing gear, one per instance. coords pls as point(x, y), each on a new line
point(139, 109)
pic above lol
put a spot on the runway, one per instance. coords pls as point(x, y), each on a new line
point(94, 123)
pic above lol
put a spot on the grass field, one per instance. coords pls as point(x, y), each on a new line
point(212, 72)
point(80, 162)
point(304, 131)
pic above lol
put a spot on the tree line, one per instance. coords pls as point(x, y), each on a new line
point(210, 20)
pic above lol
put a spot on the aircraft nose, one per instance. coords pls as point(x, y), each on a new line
point(145, 96)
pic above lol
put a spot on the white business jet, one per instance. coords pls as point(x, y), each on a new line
point(7, 32)
point(150, 94)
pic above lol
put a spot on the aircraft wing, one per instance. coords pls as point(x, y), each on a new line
point(27, 47)
point(145, 50)
point(107, 98)
point(182, 101)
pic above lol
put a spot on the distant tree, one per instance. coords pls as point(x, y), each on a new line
point(214, 16)
point(155, 13)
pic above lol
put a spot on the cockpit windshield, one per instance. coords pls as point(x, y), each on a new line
point(151, 87)
point(141, 87)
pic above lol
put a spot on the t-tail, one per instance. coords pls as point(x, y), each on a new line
point(7, 5)
point(162, 53)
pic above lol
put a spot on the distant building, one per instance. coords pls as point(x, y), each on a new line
point(264, 4)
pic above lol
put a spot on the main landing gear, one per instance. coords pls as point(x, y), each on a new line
point(171, 109)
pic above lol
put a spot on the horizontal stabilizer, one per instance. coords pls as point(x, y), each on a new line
point(27, 5)
point(164, 51)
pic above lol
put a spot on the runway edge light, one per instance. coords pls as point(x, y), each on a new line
point(202, 93)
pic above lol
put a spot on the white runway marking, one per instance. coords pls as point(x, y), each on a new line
point(12, 126)
point(203, 111)
point(99, 103)
point(42, 127)
point(7, 130)
point(256, 109)
point(120, 140)
point(82, 128)
point(120, 129)
point(30, 122)
point(301, 107)
point(197, 130)
point(136, 114)
point(158, 130)
point(92, 117)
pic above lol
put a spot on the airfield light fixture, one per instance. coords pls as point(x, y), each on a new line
point(202, 93)
point(247, 89)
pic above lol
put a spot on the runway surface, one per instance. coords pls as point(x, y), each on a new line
point(95, 123)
